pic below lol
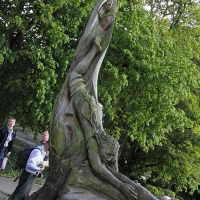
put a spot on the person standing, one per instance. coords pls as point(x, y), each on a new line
point(44, 139)
point(7, 137)
point(33, 168)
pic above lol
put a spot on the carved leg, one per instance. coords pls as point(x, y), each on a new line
point(84, 64)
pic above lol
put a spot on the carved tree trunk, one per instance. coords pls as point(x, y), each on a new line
point(83, 158)
point(67, 137)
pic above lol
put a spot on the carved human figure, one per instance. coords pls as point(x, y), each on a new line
point(66, 134)
point(83, 99)
point(88, 57)
point(91, 45)
point(102, 155)
point(102, 149)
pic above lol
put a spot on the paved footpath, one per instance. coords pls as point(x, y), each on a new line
point(7, 185)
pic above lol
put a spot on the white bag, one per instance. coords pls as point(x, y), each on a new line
point(3, 164)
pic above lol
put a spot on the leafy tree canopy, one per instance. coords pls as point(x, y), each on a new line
point(152, 69)
point(148, 82)
point(37, 43)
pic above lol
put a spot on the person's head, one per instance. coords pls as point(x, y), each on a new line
point(108, 146)
point(46, 146)
point(45, 136)
point(166, 198)
point(11, 122)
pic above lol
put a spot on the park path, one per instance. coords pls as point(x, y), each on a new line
point(7, 186)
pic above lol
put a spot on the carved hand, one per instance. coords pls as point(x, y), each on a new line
point(128, 191)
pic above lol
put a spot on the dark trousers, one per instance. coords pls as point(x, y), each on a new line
point(24, 187)
point(2, 153)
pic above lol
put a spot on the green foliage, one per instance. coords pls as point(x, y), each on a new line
point(148, 82)
point(11, 170)
point(159, 192)
point(37, 43)
point(156, 100)
point(155, 74)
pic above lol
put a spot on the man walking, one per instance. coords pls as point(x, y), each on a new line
point(32, 169)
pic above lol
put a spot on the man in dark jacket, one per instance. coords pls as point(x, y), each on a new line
point(7, 137)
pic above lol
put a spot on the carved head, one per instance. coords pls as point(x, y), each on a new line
point(108, 146)
point(106, 6)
